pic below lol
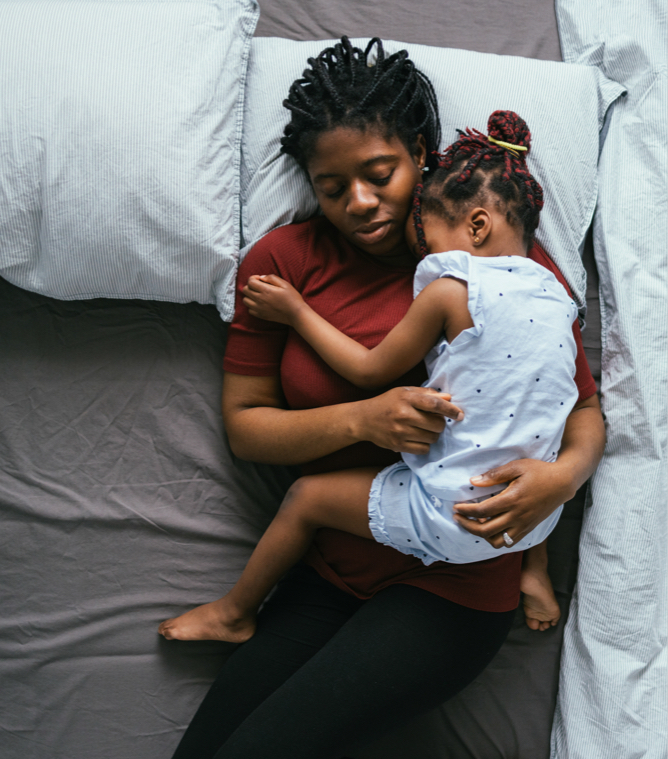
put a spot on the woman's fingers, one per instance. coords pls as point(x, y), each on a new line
point(417, 449)
point(405, 419)
point(535, 489)
point(500, 474)
point(493, 528)
point(428, 400)
point(486, 518)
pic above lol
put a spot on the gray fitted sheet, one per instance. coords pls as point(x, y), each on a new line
point(122, 503)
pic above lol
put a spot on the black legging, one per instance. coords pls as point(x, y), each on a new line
point(326, 673)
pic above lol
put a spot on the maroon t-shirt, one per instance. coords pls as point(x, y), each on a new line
point(364, 299)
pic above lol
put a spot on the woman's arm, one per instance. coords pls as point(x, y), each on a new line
point(441, 307)
point(537, 488)
point(260, 428)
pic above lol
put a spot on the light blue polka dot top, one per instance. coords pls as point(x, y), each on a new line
point(512, 373)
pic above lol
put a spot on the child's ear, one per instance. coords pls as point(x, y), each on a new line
point(480, 225)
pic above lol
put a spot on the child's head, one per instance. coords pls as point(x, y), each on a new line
point(486, 172)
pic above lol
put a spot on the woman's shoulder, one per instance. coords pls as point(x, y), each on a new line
point(286, 250)
point(301, 234)
point(539, 255)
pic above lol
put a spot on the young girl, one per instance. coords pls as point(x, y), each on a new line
point(495, 328)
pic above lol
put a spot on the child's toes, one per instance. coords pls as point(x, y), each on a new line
point(165, 628)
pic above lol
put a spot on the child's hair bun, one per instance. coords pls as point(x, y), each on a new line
point(507, 126)
point(495, 161)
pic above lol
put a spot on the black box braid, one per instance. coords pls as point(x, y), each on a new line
point(345, 86)
point(474, 166)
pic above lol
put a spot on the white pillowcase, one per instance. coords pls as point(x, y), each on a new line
point(563, 104)
point(119, 147)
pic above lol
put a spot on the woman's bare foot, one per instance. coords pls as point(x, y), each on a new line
point(541, 609)
point(212, 621)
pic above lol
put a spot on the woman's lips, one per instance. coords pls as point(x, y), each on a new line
point(372, 233)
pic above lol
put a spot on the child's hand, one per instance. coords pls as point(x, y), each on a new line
point(271, 298)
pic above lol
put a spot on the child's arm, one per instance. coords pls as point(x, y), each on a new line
point(441, 307)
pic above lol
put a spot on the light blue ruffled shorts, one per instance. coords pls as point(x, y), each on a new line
point(403, 515)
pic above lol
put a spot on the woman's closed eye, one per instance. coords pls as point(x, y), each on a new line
point(333, 194)
point(382, 181)
point(337, 191)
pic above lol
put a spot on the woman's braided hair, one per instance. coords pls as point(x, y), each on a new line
point(345, 87)
point(474, 168)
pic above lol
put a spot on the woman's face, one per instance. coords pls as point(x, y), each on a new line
point(364, 183)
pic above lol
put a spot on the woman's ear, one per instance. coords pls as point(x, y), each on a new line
point(480, 225)
point(420, 153)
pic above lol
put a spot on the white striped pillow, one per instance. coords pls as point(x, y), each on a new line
point(563, 104)
point(119, 147)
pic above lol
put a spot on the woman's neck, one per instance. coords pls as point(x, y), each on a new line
point(404, 260)
point(398, 259)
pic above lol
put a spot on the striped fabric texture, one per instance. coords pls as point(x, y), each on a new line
point(119, 147)
point(612, 692)
point(564, 106)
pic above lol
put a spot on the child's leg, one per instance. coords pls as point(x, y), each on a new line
point(335, 499)
point(540, 604)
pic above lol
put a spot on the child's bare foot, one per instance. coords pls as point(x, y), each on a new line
point(541, 609)
point(212, 621)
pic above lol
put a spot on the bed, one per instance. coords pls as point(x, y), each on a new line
point(122, 503)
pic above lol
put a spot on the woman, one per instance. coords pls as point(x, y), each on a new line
point(359, 636)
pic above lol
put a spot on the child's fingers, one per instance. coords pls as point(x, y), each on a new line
point(254, 284)
point(273, 279)
point(253, 299)
point(258, 281)
point(263, 287)
point(262, 281)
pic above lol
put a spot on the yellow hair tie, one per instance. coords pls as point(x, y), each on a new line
point(507, 145)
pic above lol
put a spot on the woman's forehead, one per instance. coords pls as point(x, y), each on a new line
point(345, 149)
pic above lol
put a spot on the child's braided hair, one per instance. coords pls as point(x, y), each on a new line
point(349, 87)
point(474, 167)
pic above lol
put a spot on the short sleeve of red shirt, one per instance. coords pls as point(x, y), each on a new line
point(254, 346)
point(583, 377)
point(365, 300)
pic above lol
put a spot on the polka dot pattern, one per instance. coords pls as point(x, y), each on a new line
point(520, 406)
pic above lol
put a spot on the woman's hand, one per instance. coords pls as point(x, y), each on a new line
point(260, 428)
point(536, 488)
point(405, 419)
point(271, 298)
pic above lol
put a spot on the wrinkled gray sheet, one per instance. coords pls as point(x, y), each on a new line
point(121, 504)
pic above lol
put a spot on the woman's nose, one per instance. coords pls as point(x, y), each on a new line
point(361, 199)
